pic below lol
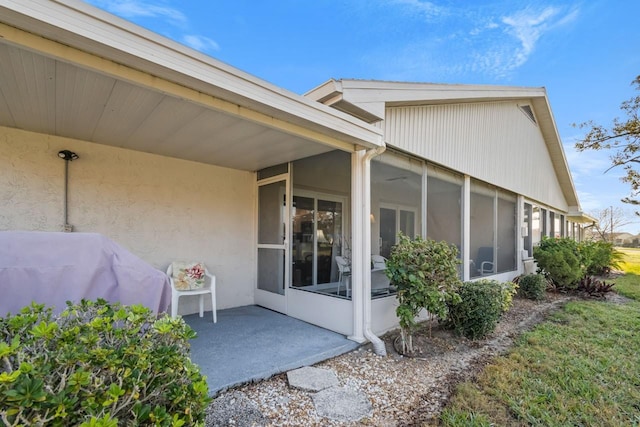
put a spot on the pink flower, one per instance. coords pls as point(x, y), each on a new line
point(195, 272)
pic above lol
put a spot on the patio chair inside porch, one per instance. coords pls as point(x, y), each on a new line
point(484, 260)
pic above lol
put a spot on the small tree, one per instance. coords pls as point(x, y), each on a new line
point(425, 273)
point(607, 222)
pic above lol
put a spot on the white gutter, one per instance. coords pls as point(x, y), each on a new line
point(378, 345)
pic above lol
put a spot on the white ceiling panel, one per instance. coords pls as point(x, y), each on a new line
point(54, 97)
point(128, 106)
point(28, 86)
point(81, 97)
point(168, 117)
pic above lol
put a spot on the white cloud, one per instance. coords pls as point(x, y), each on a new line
point(425, 8)
point(527, 26)
point(132, 9)
point(586, 163)
point(468, 40)
point(137, 8)
point(589, 202)
point(200, 43)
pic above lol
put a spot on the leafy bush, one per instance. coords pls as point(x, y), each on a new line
point(532, 286)
point(559, 260)
point(98, 364)
point(425, 273)
point(594, 287)
point(599, 257)
point(507, 291)
point(479, 309)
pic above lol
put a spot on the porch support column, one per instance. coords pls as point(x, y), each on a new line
point(466, 227)
point(357, 243)
point(520, 234)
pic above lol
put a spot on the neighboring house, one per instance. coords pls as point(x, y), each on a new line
point(623, 239)
point(619, 239)
point(182, 157)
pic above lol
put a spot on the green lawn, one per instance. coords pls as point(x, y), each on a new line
point(631, 263)
point(580, 367)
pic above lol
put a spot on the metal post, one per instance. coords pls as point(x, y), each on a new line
point(66, 187)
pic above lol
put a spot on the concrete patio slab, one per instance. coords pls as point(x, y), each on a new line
point(252, 343)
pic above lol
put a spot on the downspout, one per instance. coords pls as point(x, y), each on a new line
point(378, 345)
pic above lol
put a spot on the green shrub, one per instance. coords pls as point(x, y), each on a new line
point(532, 286)
point(559, 260)
point(98, 364)
point(479, 309)
point(425, 273)
point(507, 291)
point(599, 258)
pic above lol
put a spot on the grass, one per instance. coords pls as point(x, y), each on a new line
point(580, 367)
point(631, 260)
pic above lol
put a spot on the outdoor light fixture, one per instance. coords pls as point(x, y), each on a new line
point(67, 156)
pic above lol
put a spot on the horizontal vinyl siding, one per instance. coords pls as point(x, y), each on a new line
point(493, 142)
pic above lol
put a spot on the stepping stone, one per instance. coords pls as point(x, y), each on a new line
point(234, 409)
point(342, 404)
point(312, 379)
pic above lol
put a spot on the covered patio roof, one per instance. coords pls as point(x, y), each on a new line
point(71, 70)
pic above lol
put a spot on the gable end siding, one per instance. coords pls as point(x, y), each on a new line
point(493, 142)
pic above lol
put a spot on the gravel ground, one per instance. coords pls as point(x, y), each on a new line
point(403, 391)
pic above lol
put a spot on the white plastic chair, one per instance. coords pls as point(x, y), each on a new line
point(344, 273)
point(206, 289)
point(379, 262)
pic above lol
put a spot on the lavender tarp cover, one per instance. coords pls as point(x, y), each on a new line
point(51, 268)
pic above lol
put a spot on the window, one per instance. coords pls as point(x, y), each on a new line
point(528, 226)
point(493, 230)
point(444, 206)
point(482, 251)
point(396, 200)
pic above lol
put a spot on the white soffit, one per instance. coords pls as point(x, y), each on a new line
point(69, 69)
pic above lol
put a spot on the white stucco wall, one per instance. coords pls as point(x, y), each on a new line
point(161, 209)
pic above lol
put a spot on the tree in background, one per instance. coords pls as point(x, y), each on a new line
point(608, 222)
point(623, 136)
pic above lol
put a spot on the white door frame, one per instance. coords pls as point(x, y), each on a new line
point(272, 300)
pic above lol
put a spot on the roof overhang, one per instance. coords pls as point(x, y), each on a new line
point(368, 99)
point(579, 216)
point(71, 70)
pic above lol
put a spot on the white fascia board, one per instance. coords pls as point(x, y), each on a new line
point(87, 28)
point(549, 131)
point(402, 93)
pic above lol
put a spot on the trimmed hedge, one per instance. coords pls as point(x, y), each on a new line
point(98, 364)
point(533, 286)
point(479, 310)
point(560, 260)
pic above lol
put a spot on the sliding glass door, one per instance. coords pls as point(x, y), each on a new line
point(317, 228)
point(394, 220)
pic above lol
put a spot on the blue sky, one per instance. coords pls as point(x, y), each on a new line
point(586, 53)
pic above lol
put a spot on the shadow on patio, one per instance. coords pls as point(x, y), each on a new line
point(252, 343)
